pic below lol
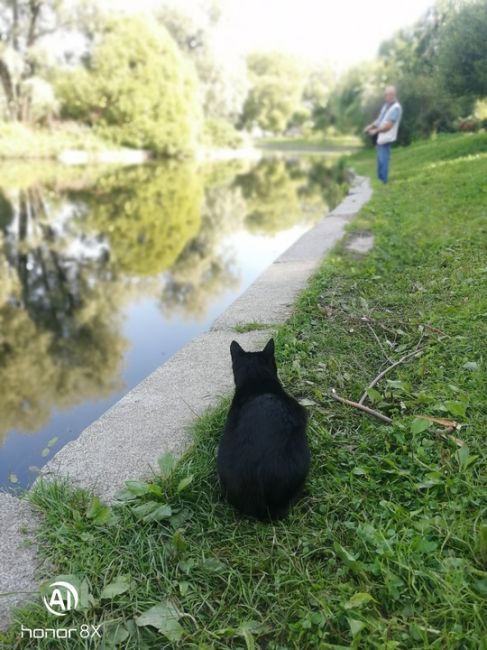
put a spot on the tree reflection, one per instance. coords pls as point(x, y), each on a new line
point(59, 343)
point(75, 246)
point(146, 214)
point(281, 193)
point(205, 269)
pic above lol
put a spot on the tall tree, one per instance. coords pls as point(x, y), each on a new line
point(24, 24)
point(136, 88)
point(222, 75)
point(276, 88)
point(463, 51)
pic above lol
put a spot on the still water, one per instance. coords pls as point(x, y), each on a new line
point(106, 272)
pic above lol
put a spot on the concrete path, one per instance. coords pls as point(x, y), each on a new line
point(155, 416)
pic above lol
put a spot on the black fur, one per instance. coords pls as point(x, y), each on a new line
point(263, 456)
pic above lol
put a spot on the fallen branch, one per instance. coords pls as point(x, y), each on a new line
point(388, 369)
point(361, 407)
point(446, 434)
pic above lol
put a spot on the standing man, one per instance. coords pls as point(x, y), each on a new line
point(386, 127)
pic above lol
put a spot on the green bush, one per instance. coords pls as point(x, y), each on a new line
point(137, 89)
point(219, 133)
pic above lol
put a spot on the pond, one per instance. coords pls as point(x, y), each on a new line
point(105, 272)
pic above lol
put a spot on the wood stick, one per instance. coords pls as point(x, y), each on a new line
point(388, 369)
point(361, 407)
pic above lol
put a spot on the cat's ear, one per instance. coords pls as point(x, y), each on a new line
point(235, 349)
point(269, 349)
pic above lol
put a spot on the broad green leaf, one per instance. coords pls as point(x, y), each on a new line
point(213, 564)
point(45, 452)
point(114, 634)
point(349, 560)
point(464, 458)
point(359, 471)
point(355, 626)
point(183, 483)
point(358, 599)
point(179, 543)
point(430, 480)
point(98, 512)
point(247, 631)
point(164, 617)
point(481, 587)
point(138, 488)
point(374, 395)
point(144, 509)
point(456, 408)
point(160, 513)
point(418, 425)
point(118, 586)
point(52, 441)
point(155, 489)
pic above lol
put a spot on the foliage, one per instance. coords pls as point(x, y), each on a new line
point(276, 86)
point(462, 52)
point(388, 546)
point(25, 28)
point(222, 74)
point(426, 108)
point(137, 89)
point(410, 60)
point(24, 142)
point(219, 133)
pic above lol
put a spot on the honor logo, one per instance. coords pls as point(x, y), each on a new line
point(63, 598)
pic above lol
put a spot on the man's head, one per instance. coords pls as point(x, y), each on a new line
point(390, 94)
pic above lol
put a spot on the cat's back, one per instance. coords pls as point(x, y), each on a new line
point(270, 410)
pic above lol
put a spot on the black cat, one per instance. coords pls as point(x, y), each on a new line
point(263, 457)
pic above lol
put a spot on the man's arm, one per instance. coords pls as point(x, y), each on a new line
point(393, 116)
point(387, 126)
point(370, 126)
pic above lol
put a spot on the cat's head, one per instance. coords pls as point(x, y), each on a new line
point(253, 365)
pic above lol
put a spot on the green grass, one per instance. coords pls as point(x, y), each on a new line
point(21, 142)
point(389, 548)
point(314, 143)
point(241, 328)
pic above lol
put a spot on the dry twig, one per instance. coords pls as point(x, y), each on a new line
point(361, 407)
point(375, 381)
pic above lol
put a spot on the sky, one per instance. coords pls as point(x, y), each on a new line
point(338, 32)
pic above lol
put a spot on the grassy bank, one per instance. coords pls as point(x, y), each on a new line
point(312, 144)
point(389, 548)
point(21, 142)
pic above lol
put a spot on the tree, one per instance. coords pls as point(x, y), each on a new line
point(316, 96)
point(24, 26)
point(463, 52)
point(222, 76)
point(276, 88)
point(136, 88)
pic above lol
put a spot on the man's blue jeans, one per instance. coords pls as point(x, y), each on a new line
point(383, 157)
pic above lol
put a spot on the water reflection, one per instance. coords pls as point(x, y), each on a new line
point(79, 248)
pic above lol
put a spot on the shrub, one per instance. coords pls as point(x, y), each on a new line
point(137, 89)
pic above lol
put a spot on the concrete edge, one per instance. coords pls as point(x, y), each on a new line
point(158, 412)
